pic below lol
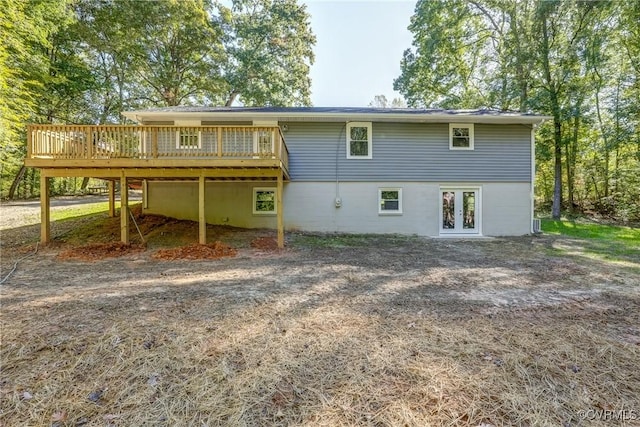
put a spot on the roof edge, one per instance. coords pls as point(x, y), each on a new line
point(336, 114)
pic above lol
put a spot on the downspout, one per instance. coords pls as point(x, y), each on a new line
point(341, 138)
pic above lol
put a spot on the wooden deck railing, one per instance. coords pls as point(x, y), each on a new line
point(95, 143)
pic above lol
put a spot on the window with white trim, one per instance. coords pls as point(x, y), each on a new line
point(188, 139)
point(264, 201)
point(389, 201)
point(359, 140)
point(461, 136)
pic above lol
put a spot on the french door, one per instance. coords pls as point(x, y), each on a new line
point(459, 211)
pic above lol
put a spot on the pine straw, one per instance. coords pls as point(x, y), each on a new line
point(371, 335)
point(265, 244)
point(195, 251)
point(195, 360)
point(98, 251)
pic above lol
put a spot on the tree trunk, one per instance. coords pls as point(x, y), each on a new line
point(16, 182)
point(548, 195)
point(85, 182)
point(232, 97)
point(553, 89)
point(572, 149)
point(603, 132)
point(569, 168)
point(556, 210)
point(606, 170)
point(28, 183)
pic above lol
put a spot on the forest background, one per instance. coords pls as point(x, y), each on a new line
point(86, 61)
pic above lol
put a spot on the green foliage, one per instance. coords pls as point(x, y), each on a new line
point(588, 230)
point(161, 53)
point(86, 61)
point(573, 60)
point(269, 43)
point(448, 46)
point(184, 60)
point(41, 78)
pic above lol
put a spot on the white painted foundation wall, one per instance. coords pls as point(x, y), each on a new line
point(310, 206)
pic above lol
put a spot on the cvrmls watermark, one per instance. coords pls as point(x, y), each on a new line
point(609, 414)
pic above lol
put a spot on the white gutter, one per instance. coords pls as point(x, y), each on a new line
point(457, 117)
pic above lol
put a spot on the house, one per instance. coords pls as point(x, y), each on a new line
point(358, 170)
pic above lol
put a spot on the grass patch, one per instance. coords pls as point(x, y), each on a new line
point(591, 231)
point(80, 224)
point(607, 242)
point(79, 210)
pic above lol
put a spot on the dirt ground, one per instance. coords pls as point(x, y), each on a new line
point(332, 330)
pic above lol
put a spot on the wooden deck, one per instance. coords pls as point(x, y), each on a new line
point(121, 153)
point(158, 151)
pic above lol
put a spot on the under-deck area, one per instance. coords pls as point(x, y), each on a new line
point(122, 155)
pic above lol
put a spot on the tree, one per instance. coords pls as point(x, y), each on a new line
point(269, 44)
point(381, 101)
point(42, 76)
point(440, 70)
point(179, 53)
point(199, 52)
point(162, 53)
point(108, 46)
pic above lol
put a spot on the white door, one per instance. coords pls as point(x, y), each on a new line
point(459, 211)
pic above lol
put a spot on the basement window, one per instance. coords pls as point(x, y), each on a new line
point(264, 201)
point(389, 201)
point(460, 136)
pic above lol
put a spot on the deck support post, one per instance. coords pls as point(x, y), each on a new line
point(280, 210)
point(145, 194)
point(202, 221)
point(124, 209)
point(45, 202)
point(112, 198)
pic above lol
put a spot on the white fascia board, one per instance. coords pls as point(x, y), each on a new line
point(140, 116)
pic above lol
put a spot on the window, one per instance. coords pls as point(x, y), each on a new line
point(460, 136)
point(359, 140)
point(264, 201)
point(389, 200)
point(263, 142)
point(188, 139)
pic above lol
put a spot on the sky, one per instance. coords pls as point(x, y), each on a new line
point(358, 49)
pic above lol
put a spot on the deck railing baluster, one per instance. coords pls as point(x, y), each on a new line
point(104, 143)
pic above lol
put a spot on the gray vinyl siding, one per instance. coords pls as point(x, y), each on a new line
point(410, 152)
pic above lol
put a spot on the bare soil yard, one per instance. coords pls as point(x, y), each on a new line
point(332, 330)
